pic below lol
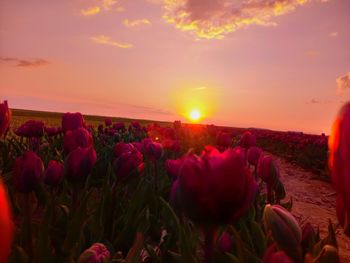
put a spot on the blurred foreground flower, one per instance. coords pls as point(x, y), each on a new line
point(6, 225)
point(273, 256)
point(27, 173)
point(339, 164)
point(31, 129)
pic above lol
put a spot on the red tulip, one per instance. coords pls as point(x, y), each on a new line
point(216, 187)
point(30, 129)
point(247, 140)
point(6, 225)
point(54, 173)
point(27, 172)
point(273, 256)
point(52, 131)
point(173, 167)
point(121, 147)
point(154, 150)
point(108, 122)
point(77, 138)
point(223, 139)
point(128, 165)
point(72, 121)
point(339, 162)
point(97, 253)
point(119, 126)
point(253, 155)
point(79, 164)
point(5, 117)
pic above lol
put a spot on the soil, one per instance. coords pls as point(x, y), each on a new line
point(313, 201)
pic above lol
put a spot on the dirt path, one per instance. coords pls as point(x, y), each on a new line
point(313, 201)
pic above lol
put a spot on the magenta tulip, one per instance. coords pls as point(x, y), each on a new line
point(72, 121)
point(225, 242)
point(77, 138)
point(54, 173)
point(108, 122)
point(79, 164)
point(223, 139)
point(268, 170)
point(173, 167)
point(247, 140)
point(5, 117)
point(154, 150)
point(31, 129)
point(339, 162)
point(253, 155)
point(27, 173)
point(128, 165)
point(97, 253)
point(121, 147)
point(274, 256)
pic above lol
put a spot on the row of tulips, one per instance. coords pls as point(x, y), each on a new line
point(153, 194)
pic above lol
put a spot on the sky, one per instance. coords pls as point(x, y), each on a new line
point(276, 64)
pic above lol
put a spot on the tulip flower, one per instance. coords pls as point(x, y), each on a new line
point(225, 242)
point(308, 238)
point(339, 163)
point(79, 164)
point(108, 122)
point(128, 164)
point(54, 173)
point(121, 147)
point(97, 253)
point(72, 121)
point(284, 229)
point(247, 140)
point(27, 172)
point(273, 256)
point(223, 139)
point(52, 131)
point(216, 187)
point(77, 138)
point(5, 117)
point(172, 167)
point(253, 155)
point(154, 150)
point(119, 126)
point(6, 225)
point(269, 173)
point(31, 129)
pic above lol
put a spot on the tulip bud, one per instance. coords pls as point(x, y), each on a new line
point(223, 139)
point(6, 225)
point(108, 122)
point(5, 117)
point(128, 165)
point(225, 242)
point(308, 238)
point(27, 172)
point(273, 256)
point(268, 170)
point(79, 164)
point(154, 150)
point(77, 138)
point(339, 164)
point(253, 155)
point(53, 174)
point(247, 140)
point(72, 121)
point(172, 167)
point(30, 129)
point(119, 126)
point(97, 253)
point(285, 230)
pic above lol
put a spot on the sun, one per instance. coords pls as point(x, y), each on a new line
point(195, 115)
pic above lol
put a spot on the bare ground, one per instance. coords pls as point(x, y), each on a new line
point(313, 201)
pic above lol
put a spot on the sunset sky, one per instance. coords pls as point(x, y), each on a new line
point(278, 64)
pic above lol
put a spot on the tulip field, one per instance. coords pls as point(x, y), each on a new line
point(88, 189)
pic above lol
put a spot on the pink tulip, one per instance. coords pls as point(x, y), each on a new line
point(97, 253)
point(5, 117)
point(27, 172)
point(77, 138)
point(216, 187)
point(247, 140)
point(54, 173)
point(339, 163)
point(253, 155)
point(79, 164)
point(72, 121)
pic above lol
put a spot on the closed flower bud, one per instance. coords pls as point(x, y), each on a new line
point(77, 138)
point(128, 165)
point(97, 253)
point(268, 170)
point(308, 238)
point(223, 139)
point(253, 155)
point(5, 117)
point(72, 121)
point(154, 150)
point(339, 163)
point(247, 140)
point(284, 229)
point(108, 122)
point(6, 225)
point(79, 164)
point(54, 173)
point(225, 242)
point(27, 172)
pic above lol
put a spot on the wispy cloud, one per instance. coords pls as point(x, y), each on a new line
point(106, 40)
point(313, 101)
point(90, 11)
point(343, 83)
point(333, 34)
point(103, 5)
point(137, 22)
point(213, 19)
point(201, 88)
point(24, 63)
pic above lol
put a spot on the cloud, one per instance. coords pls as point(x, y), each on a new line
point(313, 101)
point(213, 19)
point(201, 88)
point(105, 40)
point(108, 4)
point(343, 83)
point(22, 63)
point(90, 11)
point(333, 34)
point(137, 22)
